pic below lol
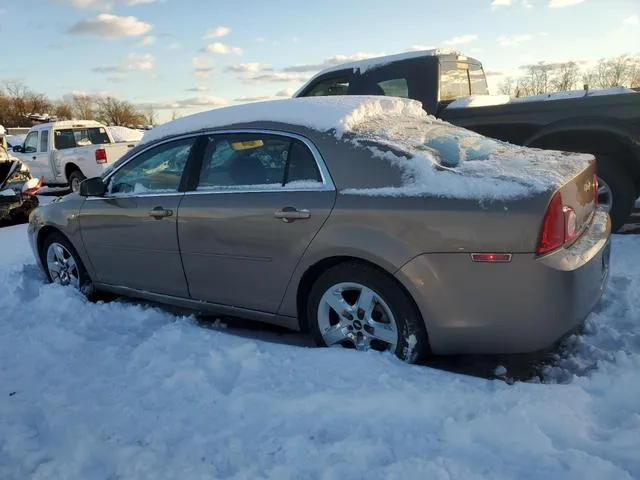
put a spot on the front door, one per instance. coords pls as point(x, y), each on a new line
point(260, 200)
point(130, 233)
point(35, 157)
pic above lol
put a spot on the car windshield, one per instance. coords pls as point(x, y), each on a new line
point(405, 136)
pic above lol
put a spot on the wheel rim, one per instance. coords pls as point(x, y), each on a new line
point(62, 266)
point(351, 314)
point(605, 197)
point(75, 184)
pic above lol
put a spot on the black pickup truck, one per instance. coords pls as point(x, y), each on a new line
point(449, 85)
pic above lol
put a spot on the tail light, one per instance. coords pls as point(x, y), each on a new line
point(32, 186)
point(101, 155)
point(559, 226)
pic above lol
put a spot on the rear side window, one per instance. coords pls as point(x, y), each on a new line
point(333, 86)
point(79, 137)
point(478, 80)
point(397, 87)
point(44, 140)
point(454, 81)
point(249, 160)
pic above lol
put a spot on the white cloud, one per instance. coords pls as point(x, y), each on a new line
point(199, 88)
point(513, 40)
point(107, 25)
point(174, 46)
point(194, 102)
point(417, 48)
point(218, 32)
point(218, 48)
point(277, 77)
point(202, 72)
point(632, 20)
point(287, 92)
point(200, 62)
point(104, 5)
point(261, 39)
point(131, 62)
point(501, 3)
point(563, 3)
point(329, 62)
point(147, 40)
point(461, 39)
point(249, 68)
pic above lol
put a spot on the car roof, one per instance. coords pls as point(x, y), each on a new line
point(68, 124)
point(334, 113)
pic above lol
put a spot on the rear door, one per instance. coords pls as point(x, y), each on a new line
point(130, 233)
point(259, 201)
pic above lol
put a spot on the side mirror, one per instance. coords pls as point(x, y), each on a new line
point(18, 149)
point(92, 187)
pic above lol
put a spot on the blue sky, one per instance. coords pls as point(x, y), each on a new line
point(189, 55)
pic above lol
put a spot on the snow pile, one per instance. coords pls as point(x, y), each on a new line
point(439, 159)
point(125, 134)
point(339, 113)
point(119, 390)
point(492, 100)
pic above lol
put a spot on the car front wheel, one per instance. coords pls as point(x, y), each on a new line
point(63, 265)
point(358, 306)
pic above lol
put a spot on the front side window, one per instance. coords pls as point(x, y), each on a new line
point(256, 161)
point(157, 170)
point(454, 81)
point(31, 143)
point(332, 86)
point(79, 137)
point(44, 141)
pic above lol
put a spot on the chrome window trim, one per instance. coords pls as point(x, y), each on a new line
point(326, 185)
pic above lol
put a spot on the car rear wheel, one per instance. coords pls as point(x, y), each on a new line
point(616, 191)
point(75, 179)
point(355, 305)
point(63, 264)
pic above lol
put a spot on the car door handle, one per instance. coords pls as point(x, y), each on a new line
point(288, 214)
point(159, 212)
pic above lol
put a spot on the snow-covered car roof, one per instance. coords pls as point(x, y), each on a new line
point(403, 150)
point(339, 113)
point(68, 124)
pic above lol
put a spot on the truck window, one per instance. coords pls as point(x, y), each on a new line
point(79, 137)
point(478, 80)
point(44, 141)
point(397, 87)
point(454, 81)
point(31, 143)
point(330, 86)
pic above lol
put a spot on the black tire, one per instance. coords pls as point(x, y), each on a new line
point(76, 176)
point(412, 344)
point(86, 286)
point(623, 191)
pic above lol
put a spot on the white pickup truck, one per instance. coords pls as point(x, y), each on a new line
point(67, 152)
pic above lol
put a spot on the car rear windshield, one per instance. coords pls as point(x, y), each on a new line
point(460, 79)
point(80, 137)
point(447, 144)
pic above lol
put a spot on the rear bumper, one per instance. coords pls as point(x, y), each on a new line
point(518, 307)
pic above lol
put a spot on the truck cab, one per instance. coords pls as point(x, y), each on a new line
point(434, 77)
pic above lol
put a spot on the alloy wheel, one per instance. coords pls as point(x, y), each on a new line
point(351, 314)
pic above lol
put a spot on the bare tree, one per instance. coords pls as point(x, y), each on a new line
point(23, 102)
point(118, 112)
point(150, 115)
point(63, 110)
point(84, 106)
point(565, 76)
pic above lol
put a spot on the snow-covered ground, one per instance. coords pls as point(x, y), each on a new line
point(120, 390)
